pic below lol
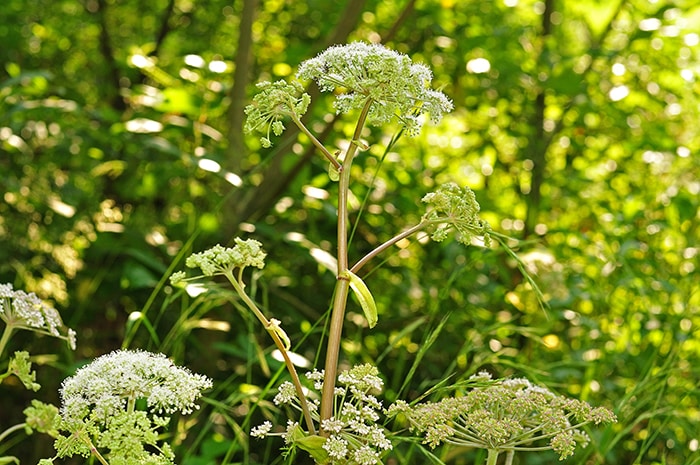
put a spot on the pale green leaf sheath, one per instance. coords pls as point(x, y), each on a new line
point(364, 296)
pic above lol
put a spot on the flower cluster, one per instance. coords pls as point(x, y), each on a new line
point(354, 436)
point(22, 310)
point(21, 367)
point(451, 206)
point(396, 87)
point(273, 102)
point(510, 414)
point(43, 418)
point(98, 405)
point(222, 260)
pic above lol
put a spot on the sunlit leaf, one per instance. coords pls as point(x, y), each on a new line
point(364, 296)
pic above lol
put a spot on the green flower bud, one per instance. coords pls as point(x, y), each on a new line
point(453, 207)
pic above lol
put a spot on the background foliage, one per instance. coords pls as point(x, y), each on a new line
point(575, 123)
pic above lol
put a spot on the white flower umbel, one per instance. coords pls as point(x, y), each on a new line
point(119, 402)
point(397, 87)
point(22, 310)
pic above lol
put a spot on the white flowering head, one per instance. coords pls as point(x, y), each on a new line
point(361, 72)
point(120, 400)
point(510, 414)
point(223, 260)
point(22, 310)
point(355, 435)
point(453, 207)
point(274, 102)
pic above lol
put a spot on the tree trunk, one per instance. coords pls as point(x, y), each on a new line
point(538, 143)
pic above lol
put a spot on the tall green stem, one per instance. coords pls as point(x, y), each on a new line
point(342, 285)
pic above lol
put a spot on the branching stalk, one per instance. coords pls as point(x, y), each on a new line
point(336, 164)
point(269, 327)
point(11, 430)
point(387, 244)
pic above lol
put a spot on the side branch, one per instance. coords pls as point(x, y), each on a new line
point(387, 244)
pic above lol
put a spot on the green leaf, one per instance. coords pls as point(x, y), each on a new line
point(8, 459)
point(333, 172)
point(277, 329)
point(364, 296)
point(314, 446)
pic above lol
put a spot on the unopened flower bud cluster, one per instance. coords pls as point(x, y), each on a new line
point(221, 260)
point(451, 206)
point(274, 101)
point(511, 414)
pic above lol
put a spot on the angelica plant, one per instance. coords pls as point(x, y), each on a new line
point(379, 86)
point(342, 424)
point(504, 417)
point(114, 408)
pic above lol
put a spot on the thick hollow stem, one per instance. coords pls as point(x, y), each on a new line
point(333, 348)
point(341, 291)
